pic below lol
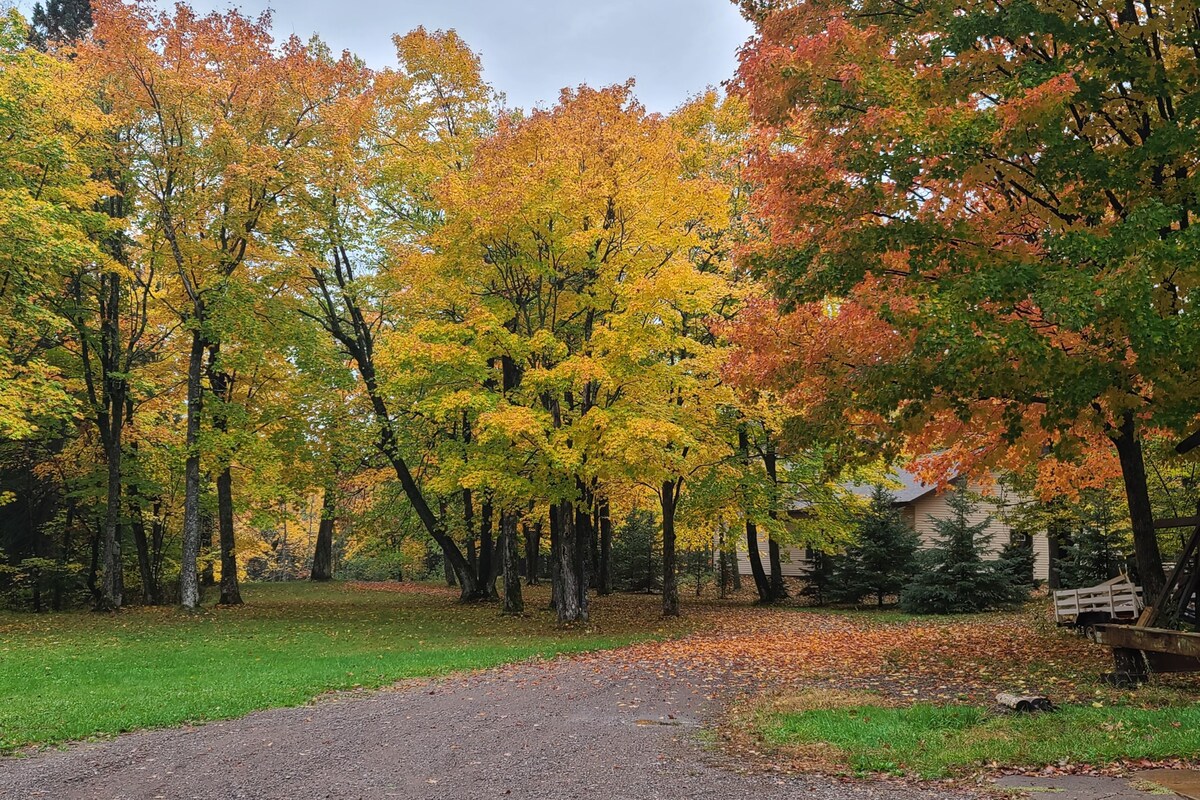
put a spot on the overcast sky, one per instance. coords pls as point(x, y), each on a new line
point(533, 48)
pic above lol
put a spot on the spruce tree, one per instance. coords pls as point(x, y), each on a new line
point(1094, 554)
point(883, 558)
point(955, 578)
point(59, 21)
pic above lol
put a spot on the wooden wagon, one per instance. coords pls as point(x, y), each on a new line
point(1116, 600)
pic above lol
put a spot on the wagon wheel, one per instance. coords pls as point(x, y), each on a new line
point(1089, 632)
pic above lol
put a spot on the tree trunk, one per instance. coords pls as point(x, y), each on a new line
point(737, 572)
point(670, 595)
point(556, 583)
point(94, 567)
point(158, 535)
point(513, 602)
point(208, 575)
point(231, 594)
point(594, 545)
point(322, 567)
point(605, 582)
point(761, 584)
point(571, 598)
point(469, 523)
point(722, 564)
point(533, 546)
point(1141, 515)
point(151, 595)
point(189, 576)
point(488, 564)
point(64, 555)
point(778, 587)
point(110, 589)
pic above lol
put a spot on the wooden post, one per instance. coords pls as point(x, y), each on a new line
point(1129, 667)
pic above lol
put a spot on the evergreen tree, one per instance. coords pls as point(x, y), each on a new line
point(882, 561)
point(59, 21)
point(637, 553)
point(1094, 554)
point(1016, 563)
point(819, 577)
point(955, 578)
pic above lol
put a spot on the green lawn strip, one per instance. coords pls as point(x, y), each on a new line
point(78, 675)
point(938, 741)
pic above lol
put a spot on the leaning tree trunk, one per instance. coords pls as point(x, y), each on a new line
point(322, 568)
point(513, 602)
point(670, 594)
point(1141, 515)
point(189, 576)
point(761, 584)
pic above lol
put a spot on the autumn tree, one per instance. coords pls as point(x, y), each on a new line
point(51, 233)
point(574, 242)
point(979, 220)
point(222, 118)
point(371, 208)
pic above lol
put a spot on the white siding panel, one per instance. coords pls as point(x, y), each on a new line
point(1041, 557)
point(793, 563)
point(936, 505)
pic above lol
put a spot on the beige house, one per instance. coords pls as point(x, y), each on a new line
point(921, 506)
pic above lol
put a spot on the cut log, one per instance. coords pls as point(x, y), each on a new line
point(1024, 703)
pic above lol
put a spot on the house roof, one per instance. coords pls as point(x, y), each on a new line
point(905, 487)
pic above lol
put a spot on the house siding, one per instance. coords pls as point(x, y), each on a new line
point(920, 515)
point(793, 561)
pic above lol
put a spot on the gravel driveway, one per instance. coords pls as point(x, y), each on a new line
point(586, 727)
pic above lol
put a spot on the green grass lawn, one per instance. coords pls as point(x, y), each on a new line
point(932, 741)
point(76, 675)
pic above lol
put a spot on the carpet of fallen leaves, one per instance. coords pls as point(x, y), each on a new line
point(739, 649)
point(736, 649)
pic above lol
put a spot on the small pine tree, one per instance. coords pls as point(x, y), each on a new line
point(1016, 563)
point(1094, 554)
point(883, 560)
point(955, 577)
point(637, 553)
point(817, 579)
point(59, 21)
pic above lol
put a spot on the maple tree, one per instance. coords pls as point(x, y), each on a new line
point(575, 244)
point(979, 220)
point(220, 123)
